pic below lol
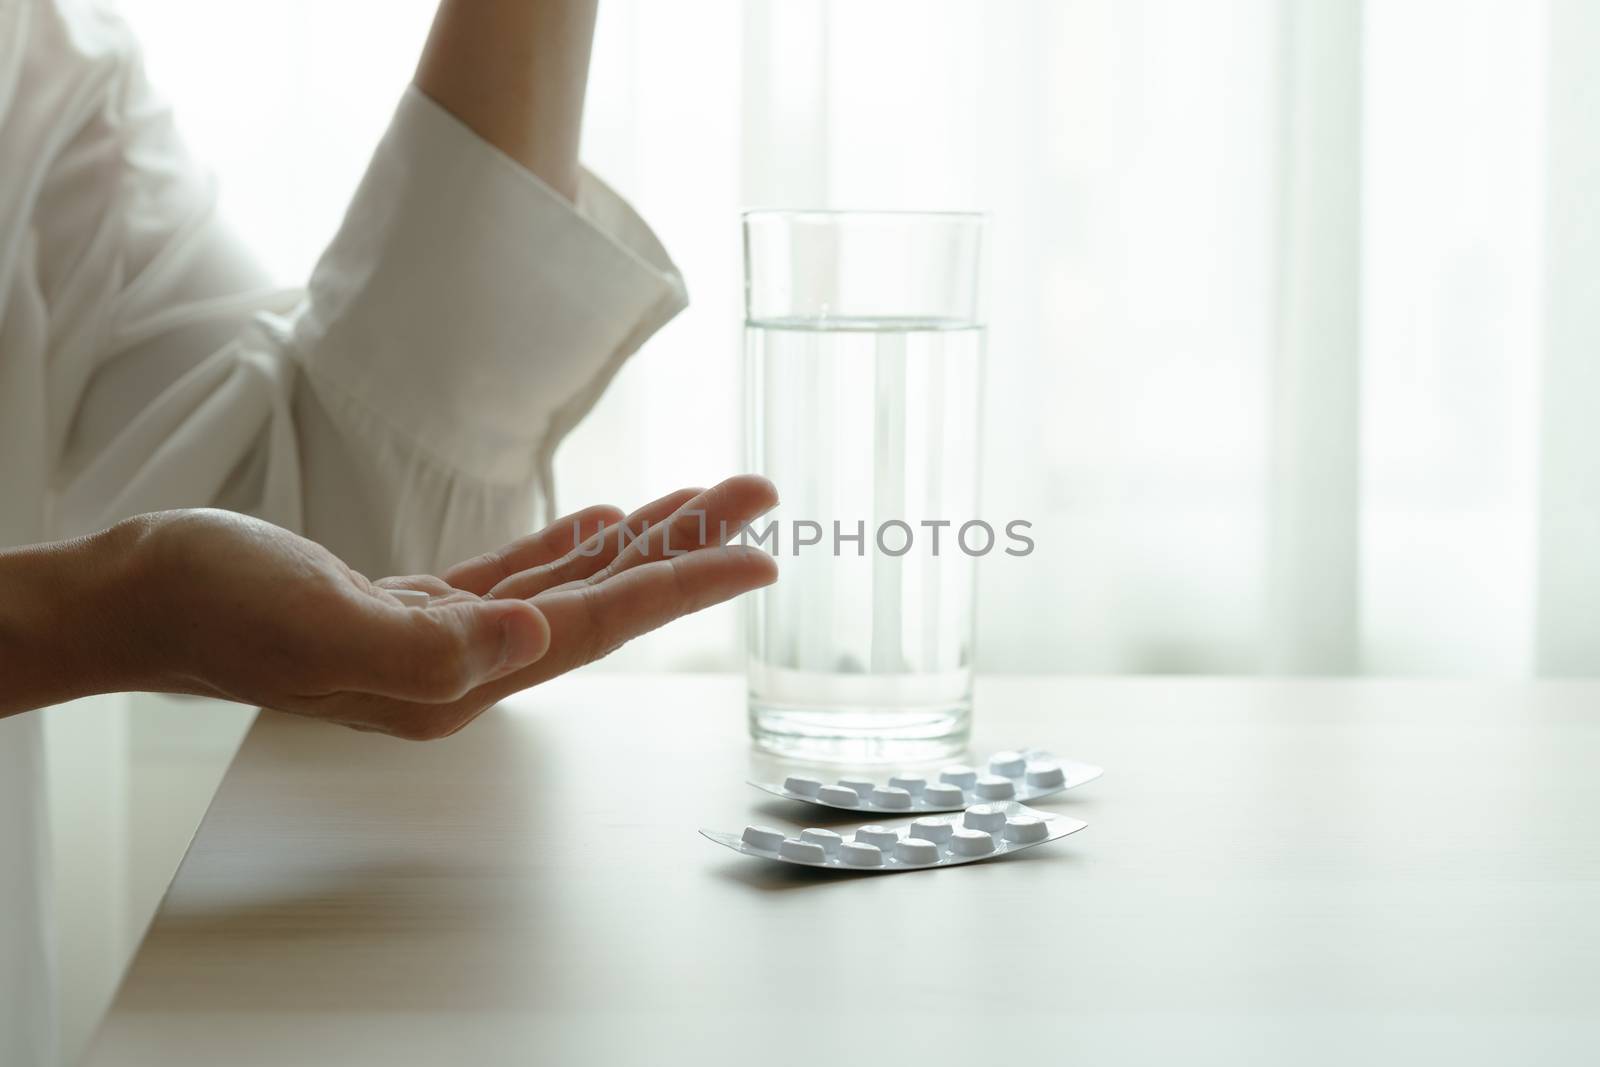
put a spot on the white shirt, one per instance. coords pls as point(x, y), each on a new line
point(403, 410)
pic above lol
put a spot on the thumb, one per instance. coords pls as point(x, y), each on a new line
point(460, 645)
point(500, 636)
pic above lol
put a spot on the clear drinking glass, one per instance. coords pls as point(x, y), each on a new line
point(863, 371)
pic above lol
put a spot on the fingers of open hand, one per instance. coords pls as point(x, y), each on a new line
point(711, 518)
point(542, 606)
point(595, 552)
point(589, 621)
point(479, 574)
point(438, 653)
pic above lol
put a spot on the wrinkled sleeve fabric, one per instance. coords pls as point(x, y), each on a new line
point(405, 408)
point(461, 323)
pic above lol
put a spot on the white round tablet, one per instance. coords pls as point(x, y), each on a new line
point(1025, 829)
point(839, 795)
point(411, 598)
point(801, 785)
point(826, 838)
point(911, 783)
point(858, 854)
point(959, 774)
point(994, 787)
point(935, 830)
point(985, 817)
point(1046, 775)
point(888, 796)
point(966, 842)
point(803, 851)
point(916, 850)
point(862, 786)
point(1009, 764)
point(763, 837)
point(877, 836)
point(944, 795)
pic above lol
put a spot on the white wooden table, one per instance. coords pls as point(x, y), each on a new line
point(1281, 873)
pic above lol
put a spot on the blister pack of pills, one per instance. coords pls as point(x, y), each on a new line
point(983, 831)
point(1010, 776)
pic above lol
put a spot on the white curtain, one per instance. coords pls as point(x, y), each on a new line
point(1293, 321)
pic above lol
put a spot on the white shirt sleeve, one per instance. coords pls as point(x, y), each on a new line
point(461, 323)
point(405, 409)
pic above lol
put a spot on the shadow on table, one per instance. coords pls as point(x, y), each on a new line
point(773, 876)
point(801, 815)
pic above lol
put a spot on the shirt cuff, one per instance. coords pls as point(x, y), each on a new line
point(473, 308)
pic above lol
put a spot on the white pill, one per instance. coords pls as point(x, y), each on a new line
point(858, 854)
point(1009, 764)
point(935, 830)
point(888, 796)
point(763, 837)
point(411, 598)
point(943, 795)
point(959, 775)
point(1046, 775)
point(862, 786)
point(798, 783)
point(1025, 829)
point(804, 851)
point(985, 817)
point(877, 836)
point(994, 787)
point(826, 838)
point(915, 850)
point(911, 783)
point(840, 795)
point(966, 842)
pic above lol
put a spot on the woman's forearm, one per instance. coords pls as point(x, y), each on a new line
point(515, 71)
point(63, 626)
